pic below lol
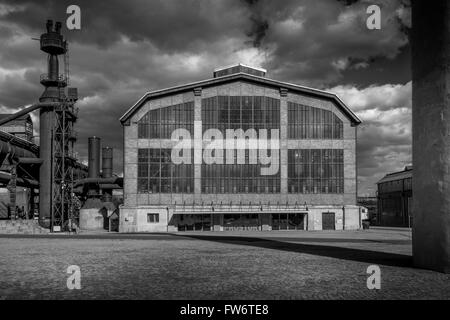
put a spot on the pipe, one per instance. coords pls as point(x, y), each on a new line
point(53, 67)
point(112, 180)
point(30, 160)
point(107, 162)
point(19, 142)
point(94, 157)
point(106, 186)
point(111, 186)
point(15, 152)
point(5, 177)
point(46, 168)
point(28, 110)
point(107, 171)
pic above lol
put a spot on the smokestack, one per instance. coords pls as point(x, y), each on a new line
point(53, 68)
point(94, 157)
point(58, 26)
point(107, 162)
point(107, 170)
point(49, 26)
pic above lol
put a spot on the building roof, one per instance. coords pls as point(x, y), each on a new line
point(399, 175)
point(240, 65)
point(245, 77)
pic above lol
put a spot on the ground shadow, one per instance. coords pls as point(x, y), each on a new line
point(359, 255)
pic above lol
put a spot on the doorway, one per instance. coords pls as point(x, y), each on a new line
point(328, 221)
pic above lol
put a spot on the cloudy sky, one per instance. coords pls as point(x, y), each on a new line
point(126, 48)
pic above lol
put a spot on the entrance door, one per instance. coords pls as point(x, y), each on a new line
point(328, 221)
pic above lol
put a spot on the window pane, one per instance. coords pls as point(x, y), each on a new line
point(315, 171)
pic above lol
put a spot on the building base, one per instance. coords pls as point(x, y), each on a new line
point(196, 218)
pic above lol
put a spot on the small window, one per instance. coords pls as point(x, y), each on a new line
point(152, 217)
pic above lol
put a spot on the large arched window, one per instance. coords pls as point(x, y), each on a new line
point(158, 174)
point(307, 122)
point(240, 112)
point(160, 123)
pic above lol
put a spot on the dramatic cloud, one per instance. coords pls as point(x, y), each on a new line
point(312, 42)
point(384, 138)
point(126, 48)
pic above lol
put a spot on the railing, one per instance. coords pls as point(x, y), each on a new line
point(46, 77)
point(53, 40)
point(238, 207)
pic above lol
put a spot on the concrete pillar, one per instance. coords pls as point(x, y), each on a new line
point(283, 142)
point(266, 224)
point(197, 141)
point(217, 222)
point(430, 42)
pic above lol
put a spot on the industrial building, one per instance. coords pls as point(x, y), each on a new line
point(17, 130)
point(22, 127)
point(395, 199)
point(370, 203)
point(239, 151)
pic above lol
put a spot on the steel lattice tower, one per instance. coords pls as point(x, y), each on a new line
point(57, 136)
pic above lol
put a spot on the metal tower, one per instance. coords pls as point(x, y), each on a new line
point(56, 208)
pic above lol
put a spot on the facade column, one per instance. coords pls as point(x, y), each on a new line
point(283, 141)
point(197, 142)
point(430, 43)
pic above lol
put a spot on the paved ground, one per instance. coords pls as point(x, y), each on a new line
point(231, 265)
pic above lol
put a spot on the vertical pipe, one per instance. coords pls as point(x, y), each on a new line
point(107, 162)
point(94, 164)
point(45, 171)
point(107, 170)
point(32, 205)
point(94, 157)
point(53, 67)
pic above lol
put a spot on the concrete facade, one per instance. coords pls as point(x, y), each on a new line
point(134, 219)
point(430, 42)
point(133, 213)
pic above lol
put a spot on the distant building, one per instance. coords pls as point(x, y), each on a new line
point(395, 199)
point(306, 182)
point(371, 204)
point(21, 127)
point(22, 203)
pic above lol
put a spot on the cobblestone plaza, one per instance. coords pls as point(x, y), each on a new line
point(226, 265)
